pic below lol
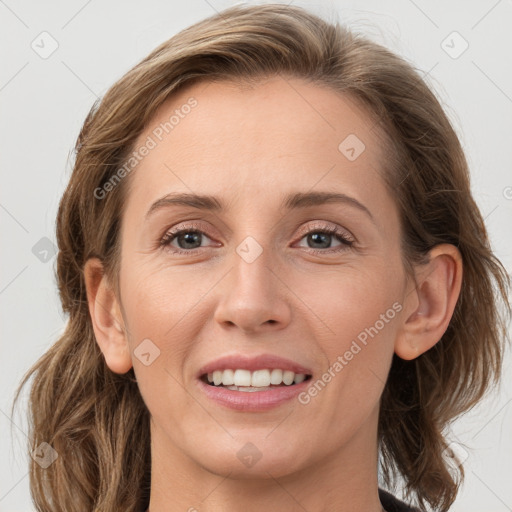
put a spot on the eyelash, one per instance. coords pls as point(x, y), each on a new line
point(340, 235)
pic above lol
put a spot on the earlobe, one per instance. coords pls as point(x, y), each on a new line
point(431, 303)
point(106, 318)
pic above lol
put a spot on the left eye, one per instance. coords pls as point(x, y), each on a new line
point(325, 235)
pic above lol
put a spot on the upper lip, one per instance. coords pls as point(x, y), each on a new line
point(252, 363)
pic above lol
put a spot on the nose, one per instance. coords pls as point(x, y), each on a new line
point(253, 296)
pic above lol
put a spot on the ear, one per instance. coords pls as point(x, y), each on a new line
point(430, 304)
point(106, 318)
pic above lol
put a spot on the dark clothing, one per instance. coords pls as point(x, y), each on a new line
point(392, 504)
point(388, 501)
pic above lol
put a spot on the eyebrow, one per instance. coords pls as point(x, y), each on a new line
point(290, 202)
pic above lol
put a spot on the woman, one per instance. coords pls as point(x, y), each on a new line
point(275, 274)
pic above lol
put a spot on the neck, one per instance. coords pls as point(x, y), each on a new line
point(345, 480)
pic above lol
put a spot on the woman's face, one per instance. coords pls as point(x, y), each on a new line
point(253, 275)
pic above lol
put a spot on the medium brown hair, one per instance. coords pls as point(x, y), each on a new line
point(97, 421)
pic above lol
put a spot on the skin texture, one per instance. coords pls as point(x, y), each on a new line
point(251, 146)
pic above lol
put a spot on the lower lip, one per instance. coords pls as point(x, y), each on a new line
point(255, 401)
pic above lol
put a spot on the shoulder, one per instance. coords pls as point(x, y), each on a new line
point(392, 504)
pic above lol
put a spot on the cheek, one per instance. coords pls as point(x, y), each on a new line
point(351, 301)
point(159, 307)
point(166, 306)
point(359, 310)
point(155, 298)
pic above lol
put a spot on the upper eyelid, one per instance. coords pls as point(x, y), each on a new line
point(317, 224)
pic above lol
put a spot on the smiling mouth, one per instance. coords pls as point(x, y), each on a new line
point(260, 380)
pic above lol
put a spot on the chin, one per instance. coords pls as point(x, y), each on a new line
point(247, 460)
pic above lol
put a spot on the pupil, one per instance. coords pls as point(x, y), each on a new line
point(316, 238)
point(191, 238)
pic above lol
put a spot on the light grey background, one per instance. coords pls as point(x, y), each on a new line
point(45, 100)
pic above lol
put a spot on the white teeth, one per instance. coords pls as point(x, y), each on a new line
point(217, 377)
point(276, 377)
point(288, 377)
point(242, 378)
point(299, 377)
point(260, 378)
point(228, 377)
point(254, 381)
point(247, 389)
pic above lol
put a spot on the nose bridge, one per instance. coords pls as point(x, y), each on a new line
point(252, 267)
point(252, 296)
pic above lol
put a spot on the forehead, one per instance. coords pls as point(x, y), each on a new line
point(222, 137)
